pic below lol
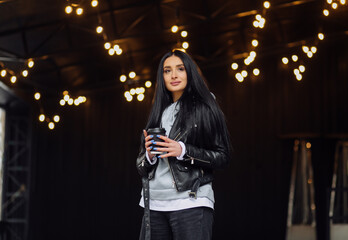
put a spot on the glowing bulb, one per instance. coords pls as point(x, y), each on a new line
point(99, 29)
point(267, 4)
point(256, 72)
point(299, 77)
point(107, 45)
point(3, 73)
point(234, 66)
point(119, 51)
point(56, 118)
point(66, 97)
point(42, 117)
point(254, 43)
point(313, 49)
point(262, 22)
point(326, 12)
point(130, 98)
point(294, 58)
point(94, 3)
point(329, 1)
point(70, 101)
point(137, 90)
point(79, 11)
point(185, 45)
point(174, 28)
point(252, 54)
point(65, 92)
point(51, 125)
point(334, 5)
point(258, 17)
point(296, 71)
point(308, 145)
point(148, 84)
point(285, 60)
point(25, 73)
point(77, 102)
point(305, 49)
point(247, 61)
point(239, 77)
point(68, 9)
point(132, 91)
point(309, 54)
point(111, 51)
point(184, 34)
point(62, 102)
point(123, 78)
point(30, 63)
point(244, 73)
point(256, 24)
point(343, 2)
point(132, 74)
point(116, 46)
point(127, 94)
point(140, 97)
point(37, 95)
point(301, 68)
point(321, 36)
point(13, 79)
point(141, 90)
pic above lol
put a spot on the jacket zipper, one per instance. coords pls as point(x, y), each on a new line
point(170, 168)
point(197, 159)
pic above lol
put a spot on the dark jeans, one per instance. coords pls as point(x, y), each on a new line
point(188, 224)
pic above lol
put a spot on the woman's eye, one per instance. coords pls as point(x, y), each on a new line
point(181, 69)
point(166, 71)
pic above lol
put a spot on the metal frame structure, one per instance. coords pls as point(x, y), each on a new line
point(17, 158)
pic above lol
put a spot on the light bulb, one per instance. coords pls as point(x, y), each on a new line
point(299, 77)
point(127, 94)
point(123, 78)
point(62, 102)
point(321, 36)
point(56, 118)
point(111, 51)
point(148, 84)
point(42, 117)
point(94, 3)
point(13, 79)
point(174, 28)
point(294, 58)
point(285, 60)
point(254, 43)
point(184, 34)
point(99, 29)
point(30, 63)
point(309, 54)
point(313, 49)
point(132, 91)
point(116, 46)
point(239, 77)
point(267, 4)
point(37, 95)
point(132, 74)
point(301, 68)
point(70, 101)
point(130, 98)
point(140, 97)
point(185, 45)
point(77, 102)
point(256, 72)
point(252, 54)
point(65, 92)
point(107, 45)
point(3, 73)
point(258, 17)
point(244, 73)
point(305, 49)
point(326, 12)
point(234, 66)
point(25, 73)
point(296, 71)
point(119, 51)
point(334, 5)
point(66, 97)
point(68, 9)
point(329, 1)
point(256, 24)
point(79, 11)
point(51, 125)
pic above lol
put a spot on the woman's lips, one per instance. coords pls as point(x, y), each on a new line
point(175, 83)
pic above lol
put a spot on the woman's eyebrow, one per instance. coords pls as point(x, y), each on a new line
point(179, 65)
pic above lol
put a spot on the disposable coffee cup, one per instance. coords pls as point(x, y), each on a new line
point(155, 132)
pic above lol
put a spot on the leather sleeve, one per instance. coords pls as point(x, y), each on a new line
point(143, 166)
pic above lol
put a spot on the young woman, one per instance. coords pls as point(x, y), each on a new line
point(177, 185)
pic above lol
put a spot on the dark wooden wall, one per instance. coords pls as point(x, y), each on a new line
point(85, 185)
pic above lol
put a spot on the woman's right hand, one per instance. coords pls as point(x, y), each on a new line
point(148, 143)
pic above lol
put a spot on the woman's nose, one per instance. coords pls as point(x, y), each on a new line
point(173, 74)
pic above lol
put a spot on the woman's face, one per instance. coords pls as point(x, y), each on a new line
point(175, 77)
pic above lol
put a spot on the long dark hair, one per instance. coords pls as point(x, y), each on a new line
point(196, 101)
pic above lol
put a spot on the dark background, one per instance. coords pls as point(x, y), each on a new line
point(84, 183)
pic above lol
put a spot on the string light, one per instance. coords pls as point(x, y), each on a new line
point(123, 78)
point(148, 84)
point(256, 71)
point(132, 74)
point(140, 97)
point(37, 95)
point(294, 58)
point(94, 3)
point(267, 4)
point(42, 117)
point(132, 91)
point(309, 54)
point(107, 45)
point(244, 73)
point(25, 73)
point(234, 66)
point(299, 77)
point(77, 102)
point(326, 12)
point(62, 102)
point(174, 28)
point(79, 11)
point(254, 43)
point(3, 73)
point(343, 2)
point(285, 60)
point(99, 29)
point(329, 1)
point(313, 49)
point(68, 9)
point(13, 79)
point(111, 51)
point(301, 68)
point(56, 118)
point(127, 94)
point(30, 63)
point(51, 125)
point(239, 77)
point(305, 49)
point(66, 97)
point(184, 34)
point(185, 45)
point(321, 36)
point(70, 101)
point(65, 92)
point(334, 5)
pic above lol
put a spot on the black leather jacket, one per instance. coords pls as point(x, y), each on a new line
point(197, 167)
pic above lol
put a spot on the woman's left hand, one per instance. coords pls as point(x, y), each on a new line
point(173, 148)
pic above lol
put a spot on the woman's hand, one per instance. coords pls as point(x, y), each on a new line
point(173, 148)
point(148, 143)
